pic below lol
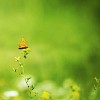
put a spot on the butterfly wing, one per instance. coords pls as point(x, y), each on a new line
point(22, 44)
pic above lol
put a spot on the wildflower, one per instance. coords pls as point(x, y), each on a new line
point(68, 83)
point(45, 95)
point(28, 50)
point(75, 88)
point(17, 58)
point(9, 94)
point(75, 95)
point(24, 82)
point(25, 52)
point(33, 94)
point(15, 69)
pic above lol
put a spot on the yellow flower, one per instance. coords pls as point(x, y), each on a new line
point(75, 88)
point(45, 95)
point(28, 49)
point(17, 58)
point(75, 94)
point(68, 83)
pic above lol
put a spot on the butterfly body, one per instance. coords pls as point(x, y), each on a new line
point(22, 44)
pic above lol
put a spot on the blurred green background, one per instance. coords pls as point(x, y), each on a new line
point(64, 37)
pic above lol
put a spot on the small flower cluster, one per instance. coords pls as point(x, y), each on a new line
point(46, 95)
point(72, 89)
point(25, 52)
point(75, 95)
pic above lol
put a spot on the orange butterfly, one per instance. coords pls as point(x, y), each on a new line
point(22, 44)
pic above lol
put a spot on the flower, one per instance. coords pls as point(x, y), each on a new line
point(75, 95)
point(33, 93)
point(25, 52)
point(75, 88)
point(28, 50)
point(68, 83)
point(9, 94)
point(17, 58)
point(45, 95)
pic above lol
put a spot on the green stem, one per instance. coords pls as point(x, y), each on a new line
point(22, 67)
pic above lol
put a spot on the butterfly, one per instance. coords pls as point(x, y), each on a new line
point(22, 44)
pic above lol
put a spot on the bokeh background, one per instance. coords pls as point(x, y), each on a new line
point(63, 35)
